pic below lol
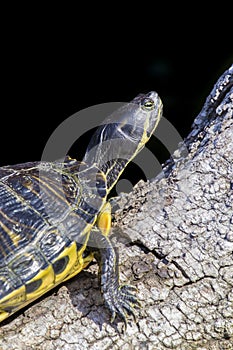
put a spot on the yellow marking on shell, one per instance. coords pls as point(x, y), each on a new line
point(15, 300)
point(18, 299)
point(48, 279)
point(3, 315)
point(104, 219)
point(13, 236)
point(46, 185)
point(12, 220)
point(80, 264)
point(71, 252)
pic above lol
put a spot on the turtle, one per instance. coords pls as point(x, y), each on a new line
point(55, 216)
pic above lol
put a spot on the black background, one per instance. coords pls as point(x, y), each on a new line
point(52, 70)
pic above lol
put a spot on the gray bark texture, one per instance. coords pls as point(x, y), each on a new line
point(180, 256)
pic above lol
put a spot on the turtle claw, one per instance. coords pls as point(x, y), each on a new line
point(122, 303)
point(128, 287)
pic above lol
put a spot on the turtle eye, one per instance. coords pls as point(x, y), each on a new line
point(148, 104)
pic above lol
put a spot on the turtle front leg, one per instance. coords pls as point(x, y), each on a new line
point(120, 300)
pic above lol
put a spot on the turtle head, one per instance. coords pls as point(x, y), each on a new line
point(123, 134)
point(139, 125)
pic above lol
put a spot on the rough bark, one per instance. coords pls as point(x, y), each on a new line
point(180, 257)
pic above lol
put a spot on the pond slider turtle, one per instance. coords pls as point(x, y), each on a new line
point(55, 217)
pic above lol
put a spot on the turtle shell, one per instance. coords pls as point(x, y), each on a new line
point(46, 213)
